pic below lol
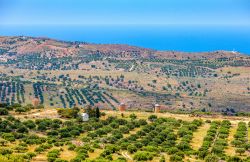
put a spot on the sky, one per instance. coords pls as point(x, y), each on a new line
point(120, 12)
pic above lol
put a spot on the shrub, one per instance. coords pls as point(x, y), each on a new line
point(133, 116)
point(175, 158)
point(234, 159)
point(5, 151)
point(3, 142)
point(240, 150)
point(3, 111)
point(211, 158)
point(8, 136)
point(131, 148)
point(71, 147)
point(152, 118)
point(162, 159)
point(53, 155)
point(143, 156)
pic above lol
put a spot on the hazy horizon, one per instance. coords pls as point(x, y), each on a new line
point(186, 38)
point(190, 25)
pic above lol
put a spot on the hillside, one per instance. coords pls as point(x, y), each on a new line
point(68, 74)
point(53, 48)
point(44, 135)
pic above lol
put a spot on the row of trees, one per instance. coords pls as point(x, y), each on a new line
point(221, 141)
point(208, 140)
point(5, 108)
point(240, 138)
point(187, 71)
point(12, 92)
point(155, 135)
point(92, 95)
point(38, 91)
point(148, 142)
point(215, 142)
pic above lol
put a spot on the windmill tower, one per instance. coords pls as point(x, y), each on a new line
point(35, 102)
point(157, 108)
point(122, 107)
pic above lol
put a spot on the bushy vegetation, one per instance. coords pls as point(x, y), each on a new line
point(240, 139)
point(124, 138)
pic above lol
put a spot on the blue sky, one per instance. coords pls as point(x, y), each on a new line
point(89, 12)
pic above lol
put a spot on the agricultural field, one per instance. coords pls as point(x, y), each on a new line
point(46, 85)
point(67, 74)
point(51, 135)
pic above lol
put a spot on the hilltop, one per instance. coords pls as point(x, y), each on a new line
point(20, 45)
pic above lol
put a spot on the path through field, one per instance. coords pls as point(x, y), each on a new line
point(199, 135)
point(125, 154)
point(230, 150)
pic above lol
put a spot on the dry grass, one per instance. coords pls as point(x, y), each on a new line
point(95, 154)
point(186, 117)
point(199, 135)
point(132, 132)
point(40, 158)
point(230, 150)
point(221, 90)
point(196, 141)
point(249, 133)
point(192, 159)
point(37, 114)
point(67, 154)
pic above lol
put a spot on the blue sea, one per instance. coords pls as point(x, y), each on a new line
point(160, 37)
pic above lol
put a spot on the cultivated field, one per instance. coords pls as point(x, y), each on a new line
point(68, 74)
point(129, 136)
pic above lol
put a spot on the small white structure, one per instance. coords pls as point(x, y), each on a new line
point(61, 90)
point(85, 117)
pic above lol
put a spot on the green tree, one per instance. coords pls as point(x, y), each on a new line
point(8, 136)
point(132, 148)
point(3, 111)
point(211, 158)
point(175, 158)
point(21, 149)
point(3, 142)
point(5, 151)
point(234, 159)
point(30, 124)
point(152, 118)
point(22, 129)
point(133, 116)
point(143, 156)
point(97, 112)
point(75, 112)
point(162, 159)
point(20, 110)
point(240, 151)
point(90, 111)
point(30, 155)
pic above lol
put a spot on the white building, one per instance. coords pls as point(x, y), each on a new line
point(85, 117)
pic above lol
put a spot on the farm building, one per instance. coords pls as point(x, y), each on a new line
point(157, 108)
point(85, 117)
point(122, 107)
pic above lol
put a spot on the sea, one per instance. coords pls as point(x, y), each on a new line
point(187, 38)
